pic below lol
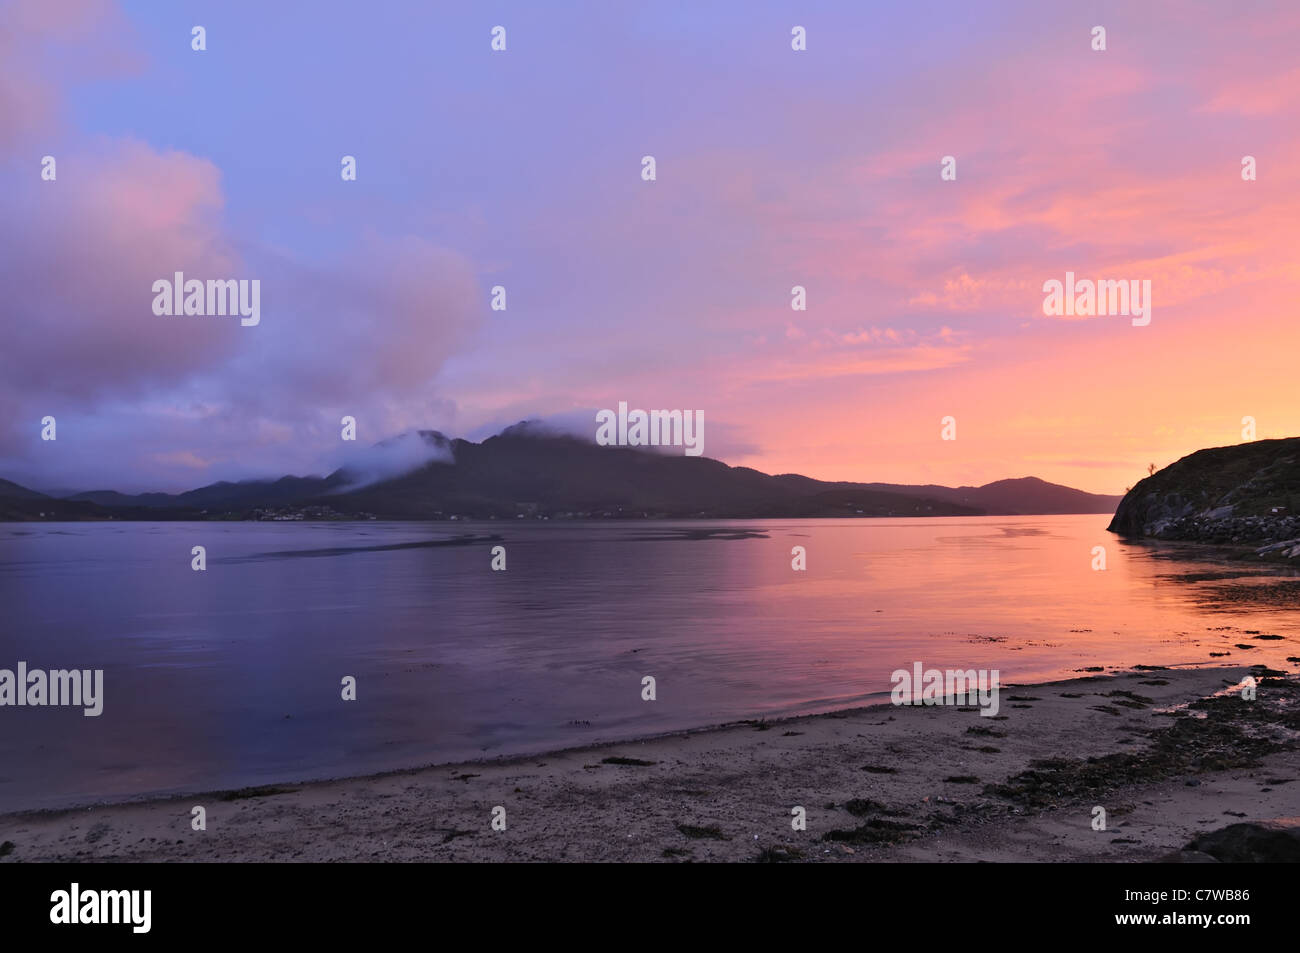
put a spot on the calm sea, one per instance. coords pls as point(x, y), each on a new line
point(232, 676)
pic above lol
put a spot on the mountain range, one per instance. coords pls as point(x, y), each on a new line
point(527, 472)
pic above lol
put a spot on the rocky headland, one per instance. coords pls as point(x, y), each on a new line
point(1246, 495)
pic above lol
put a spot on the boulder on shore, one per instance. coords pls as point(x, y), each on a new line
point(1259, 842)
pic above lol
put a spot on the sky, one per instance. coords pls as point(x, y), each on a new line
point(522, 168)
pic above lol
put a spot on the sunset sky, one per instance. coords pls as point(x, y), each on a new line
point(775, 168)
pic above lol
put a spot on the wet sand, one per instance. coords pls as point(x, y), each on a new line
point(1158, 749)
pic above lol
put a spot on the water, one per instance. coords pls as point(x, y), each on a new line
point(231, 677)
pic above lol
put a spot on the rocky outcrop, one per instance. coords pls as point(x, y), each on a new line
point(1264, 842)
point(1246, 494)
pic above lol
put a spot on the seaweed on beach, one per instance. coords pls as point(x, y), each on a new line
point(874, 831)
point(712, 832)
point(1282, 593)
point(862, 807)
point(1214, 734)
point(778, 855)
point(1213, 575)
point(1128, 699)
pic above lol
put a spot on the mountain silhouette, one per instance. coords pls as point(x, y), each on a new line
point(526, 471)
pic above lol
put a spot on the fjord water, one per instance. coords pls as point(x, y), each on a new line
point(231, 677)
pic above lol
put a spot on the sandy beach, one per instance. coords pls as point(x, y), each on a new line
point(1167, 753)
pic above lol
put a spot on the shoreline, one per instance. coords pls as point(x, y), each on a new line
point(1158, 748)
point(542, 751)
